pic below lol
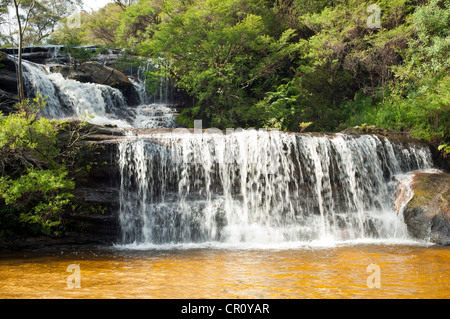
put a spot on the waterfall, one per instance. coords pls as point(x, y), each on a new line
point(37, 82)
point(242, 187)
point(139, 86)
point(261, 187)
point(66, 98)
point(97, 103)
point(155, 116)
point(153, 74)
point(153, 111)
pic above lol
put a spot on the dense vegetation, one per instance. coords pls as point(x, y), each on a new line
point(288, 64)
point(294, 64)
point(37, 170)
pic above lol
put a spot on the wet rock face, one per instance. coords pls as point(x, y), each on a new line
point(427, 214)
point(101, 74)
point(38, 54)
point(94, 218)
point(8, 83)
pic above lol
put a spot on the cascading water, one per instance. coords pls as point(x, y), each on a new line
point(245, 187)
point(154, 110)
point(101, 104)
point(261, 187)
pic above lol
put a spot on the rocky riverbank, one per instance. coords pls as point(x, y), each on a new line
point(427, 214)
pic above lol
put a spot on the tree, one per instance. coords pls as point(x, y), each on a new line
point(100, 26)
point(32, 182)
point(46, 16)
point(124, 3)
point(223, 54)
point(35, 21)
point(42, 19)
point(138, 23)
point(39, 163)
point(22, 22)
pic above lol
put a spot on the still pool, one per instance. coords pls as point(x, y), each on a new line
point(340, 271)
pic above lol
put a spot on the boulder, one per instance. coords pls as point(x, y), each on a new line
point(427, 214)
point(70, 72)
point(101, 74)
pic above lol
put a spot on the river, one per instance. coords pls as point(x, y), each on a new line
point(406, 270)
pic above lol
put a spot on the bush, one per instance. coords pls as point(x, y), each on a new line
point(34, 182)
point(39, 195)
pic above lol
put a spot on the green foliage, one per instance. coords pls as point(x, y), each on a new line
point(279, 109)
point(39, 195)
point(77, 53)
point(34, 182)
point(222, 54)
point(429, 51)
point(277, 64)
point(419, 100)
point(153, 74)
point(425, 111)
point(95, 28)
point(445, 148)
point(137, 24)
point(26, 141)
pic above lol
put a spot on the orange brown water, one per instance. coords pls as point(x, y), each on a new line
point(406, 271)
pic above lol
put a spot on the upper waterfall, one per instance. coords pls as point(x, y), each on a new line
point(98, 103)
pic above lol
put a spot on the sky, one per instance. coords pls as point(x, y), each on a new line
point(94, 5)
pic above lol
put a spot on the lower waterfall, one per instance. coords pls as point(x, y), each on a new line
point(261, 187)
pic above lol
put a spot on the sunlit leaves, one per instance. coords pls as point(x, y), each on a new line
point(32, 182)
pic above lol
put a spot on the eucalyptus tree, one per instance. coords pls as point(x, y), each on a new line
point(33, 22)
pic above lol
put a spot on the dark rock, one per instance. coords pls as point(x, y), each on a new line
point(8, 83)
point(8, 80)
point(7, 62)
point(94, 229)
point(427, 214)
point(69, 72)
point(39, 54)
point(7, 102)
point(97, 195)
point(94, 72)
point(102, 74)
point(440, 158)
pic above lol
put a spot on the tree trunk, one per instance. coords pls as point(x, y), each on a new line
point(20, 85)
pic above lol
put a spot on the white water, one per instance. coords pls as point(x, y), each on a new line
point(155, 115)
point(261, 188)
point(96, 103)
point(246, 189)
